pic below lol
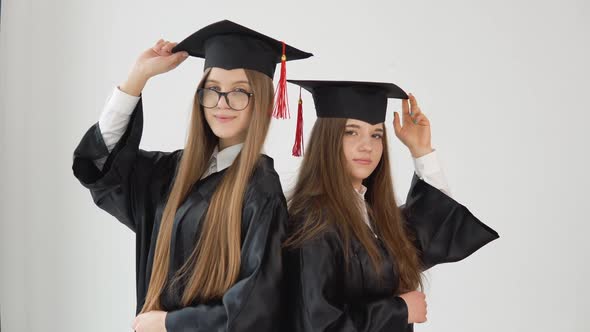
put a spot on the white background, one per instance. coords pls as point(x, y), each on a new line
point(503, 83)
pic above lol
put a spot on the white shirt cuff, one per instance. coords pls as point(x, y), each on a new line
point(427, 164)
point(429, 169)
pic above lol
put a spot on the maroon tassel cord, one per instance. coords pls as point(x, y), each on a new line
point(298, 146)
point(281, 107)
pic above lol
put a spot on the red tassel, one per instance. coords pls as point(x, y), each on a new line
point(281, 107)
point(298, 146)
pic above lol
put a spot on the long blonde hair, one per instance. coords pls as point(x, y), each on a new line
point(214, 264)
point(324, 196)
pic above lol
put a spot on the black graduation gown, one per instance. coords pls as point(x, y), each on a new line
point(327, 294)
point(133, 187)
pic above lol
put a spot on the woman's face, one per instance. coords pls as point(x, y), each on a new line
point(228, 124)
point(363, 147)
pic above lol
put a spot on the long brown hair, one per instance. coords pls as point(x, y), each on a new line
point(214, 264)
point(323, 196)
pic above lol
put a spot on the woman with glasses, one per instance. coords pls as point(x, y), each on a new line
point(209, 219)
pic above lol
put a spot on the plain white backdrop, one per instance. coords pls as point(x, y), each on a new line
point(503, 82)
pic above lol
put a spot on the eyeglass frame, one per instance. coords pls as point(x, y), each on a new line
point(224, 94)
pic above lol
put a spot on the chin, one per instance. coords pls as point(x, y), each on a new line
point(224, 133)
point(223, 130)
point(361, 174)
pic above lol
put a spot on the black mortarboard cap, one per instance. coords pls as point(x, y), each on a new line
point(365, 101)
point(228, 45)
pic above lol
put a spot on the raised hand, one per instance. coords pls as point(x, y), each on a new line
point(151, 62)
point(414, 129)
point(159, 59)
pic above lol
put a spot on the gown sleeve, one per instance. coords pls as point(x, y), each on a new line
point(253, 303)
point(445, 230)
point(317, 289)
point(132, 180)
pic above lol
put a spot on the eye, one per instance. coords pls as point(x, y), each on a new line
point(241, 90)
point(350, 133)
point(378, 136)
point(213, 87)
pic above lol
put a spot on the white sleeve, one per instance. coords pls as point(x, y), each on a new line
point(429, 169)
point(114, 119)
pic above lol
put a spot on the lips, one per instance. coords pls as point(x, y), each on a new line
point(223, 118)
point(362, 161)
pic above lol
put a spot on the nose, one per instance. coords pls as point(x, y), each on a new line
point(365, 145)
point(222, 103)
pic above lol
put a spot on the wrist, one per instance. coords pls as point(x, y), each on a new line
point(134, 84)
point(421, 152)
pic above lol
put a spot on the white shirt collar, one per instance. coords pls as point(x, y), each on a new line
point(361, 192)
point(226, 157)
point(361, 195)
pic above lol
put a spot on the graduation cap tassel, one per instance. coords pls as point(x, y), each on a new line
point(298, 146)
point(281, 107)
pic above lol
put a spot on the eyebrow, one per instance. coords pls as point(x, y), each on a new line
point(237, 82)
point(359, 127)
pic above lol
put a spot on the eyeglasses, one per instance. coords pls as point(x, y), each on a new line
point(236, 100)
